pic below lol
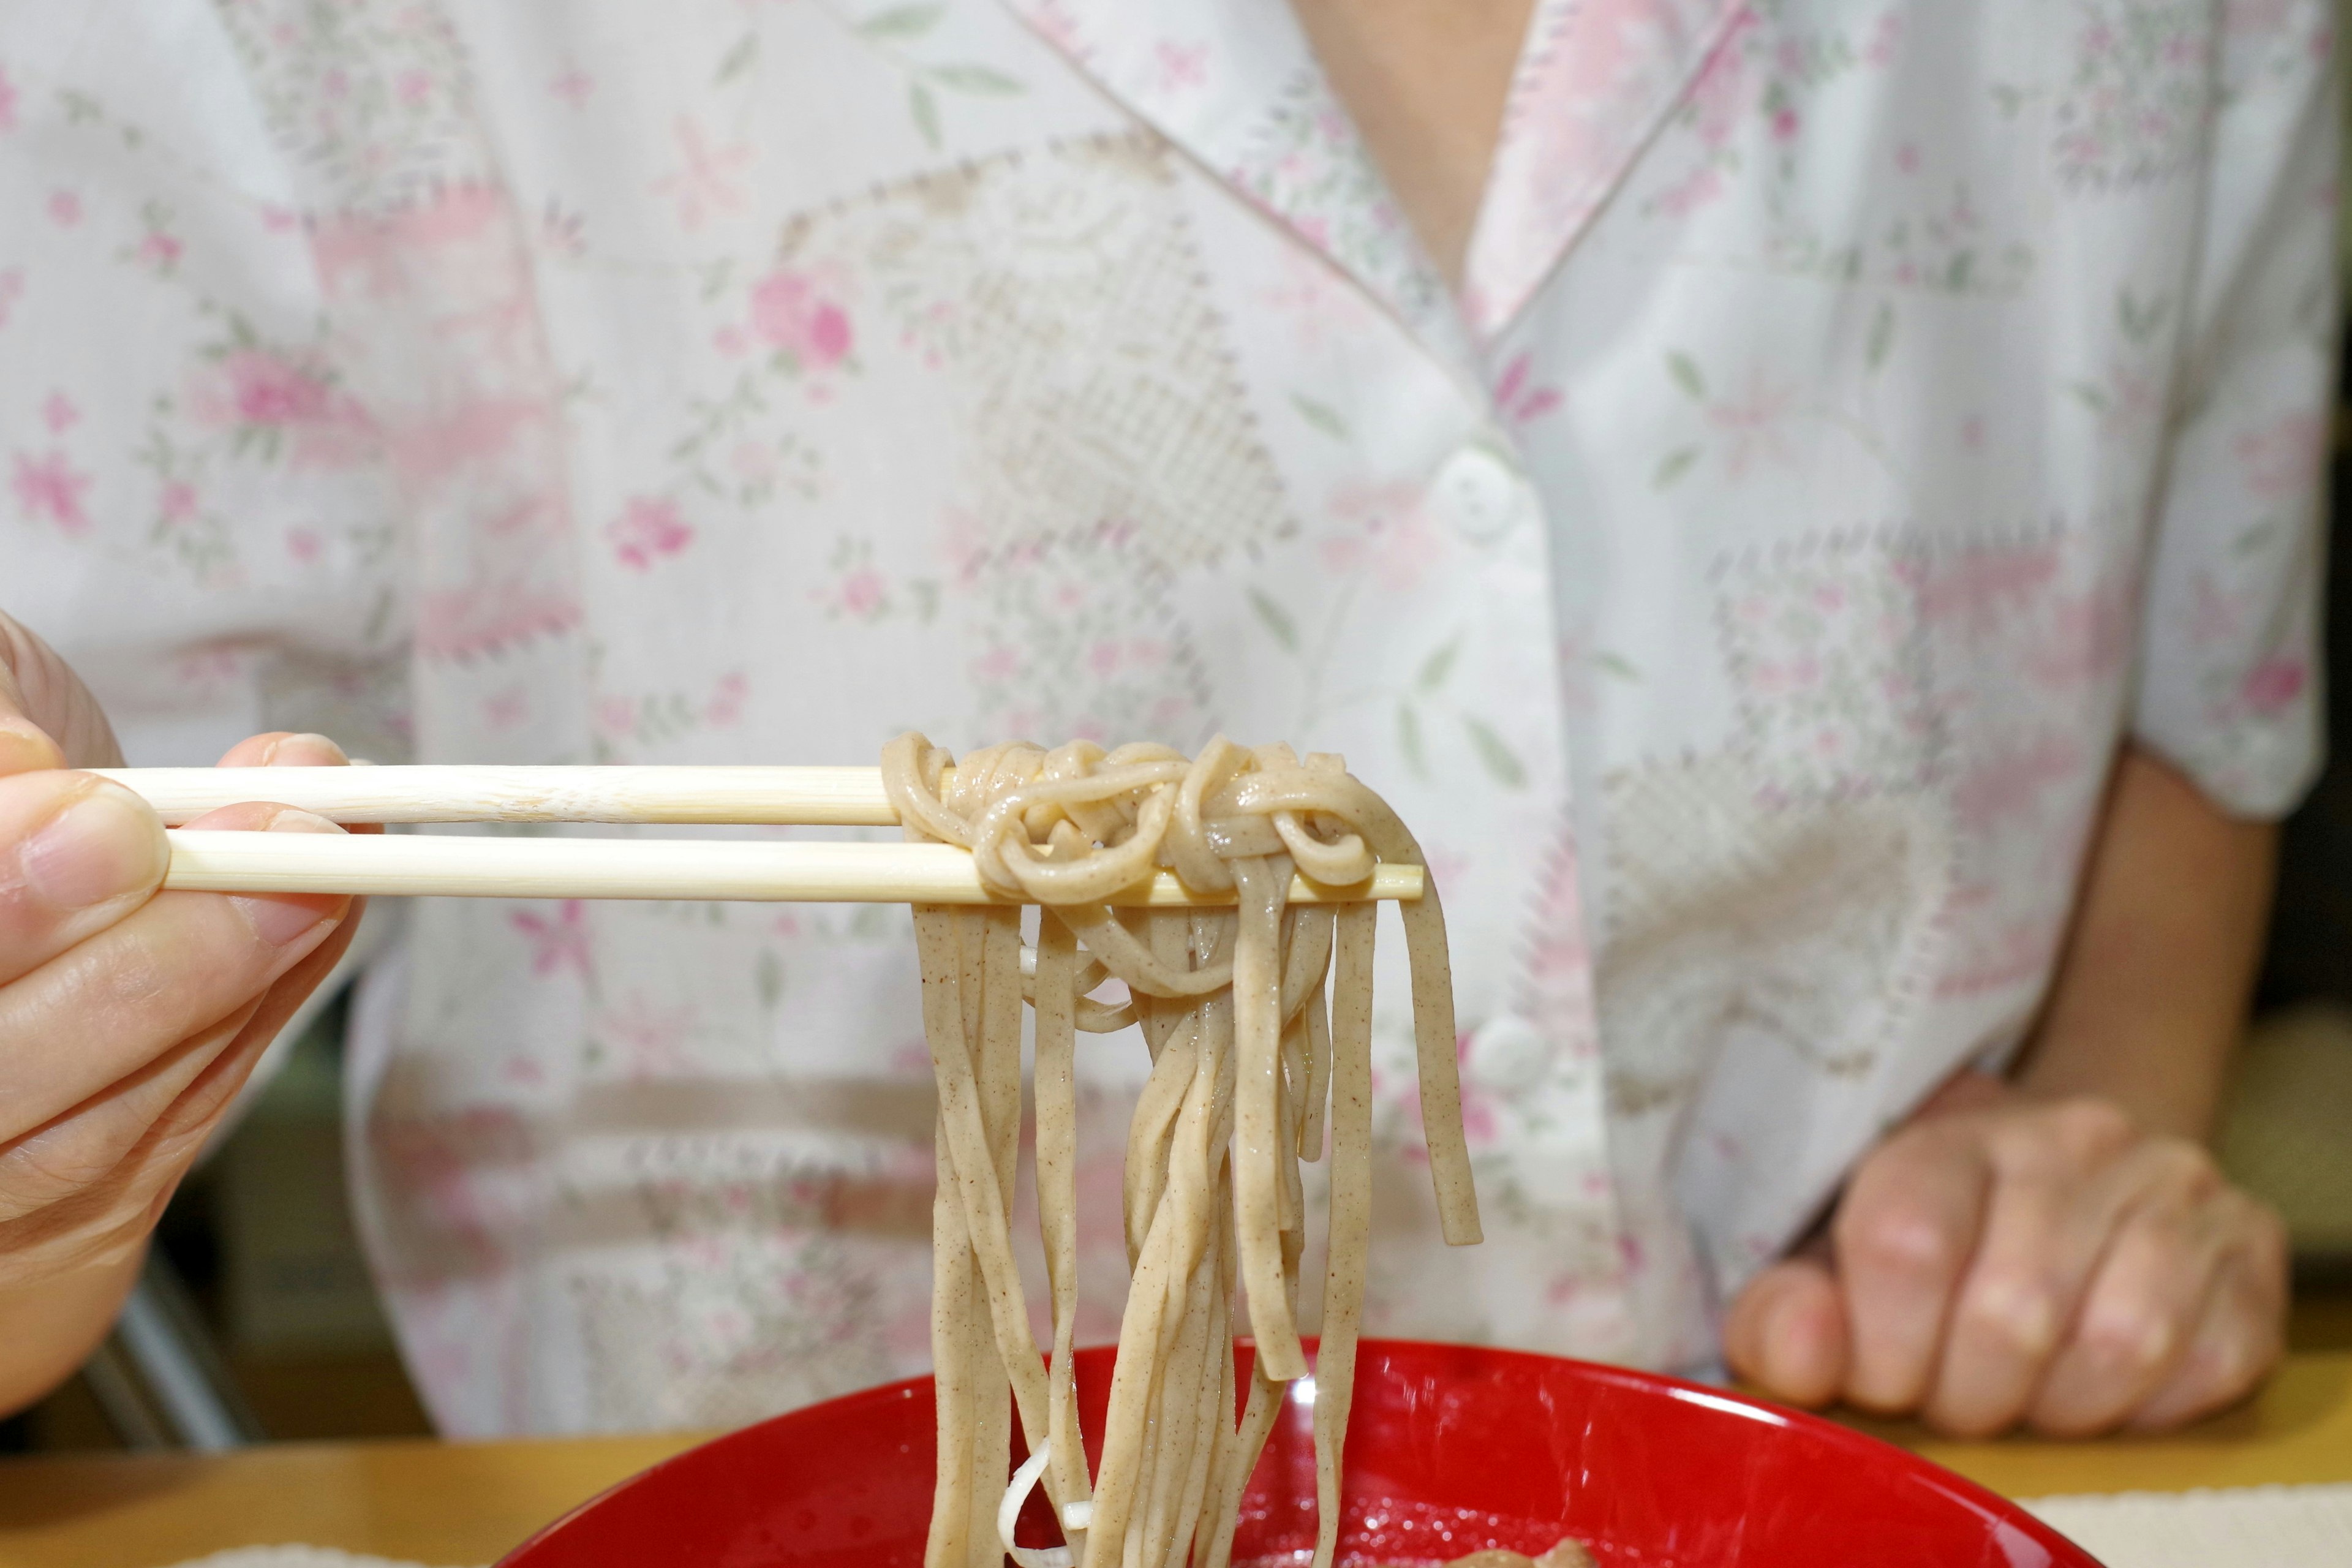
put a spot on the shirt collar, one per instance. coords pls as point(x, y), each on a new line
point(1596, 80)
point(1235, 85)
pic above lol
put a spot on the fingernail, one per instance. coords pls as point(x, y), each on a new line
point(25, 749)
point(318, 743)
point(280, 920)
point(103, 845)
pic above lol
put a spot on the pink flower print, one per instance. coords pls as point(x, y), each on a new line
point(60, 414)
point(505, 708)
point(1753, 423)
point(753, 461)
point(1519, 401)
point(655, 1039)
point(2272, 685)
point(1001, 662)
point(1906, 158)
point(1721, 94)
point(8, 102)
point(1973, 433)
point(725, 705)
point(2215, 615)
point(267, 392)
point(1391, 535)
point(1785, 123)
point(1181, 65)
point(558, 943)
point(862, 592)
point(302, 544)
point(65, 209)
point(790, 315)
point(707, 187)
point(2012, 783)
point(616, 717)
point(648, 530)
point(11, 289)
point(261, 388)
point(573, 85)
point(178, 503)
point(1885, 39)
point(160, 250)
point(50, 487)
point(413, 87)
point(2281, 460)
point(1103, 659)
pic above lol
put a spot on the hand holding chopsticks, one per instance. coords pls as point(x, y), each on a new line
point(571, 867)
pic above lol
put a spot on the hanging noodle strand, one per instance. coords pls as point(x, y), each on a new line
point(1252, 1065)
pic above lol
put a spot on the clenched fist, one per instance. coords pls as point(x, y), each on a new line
point(2003, 1258)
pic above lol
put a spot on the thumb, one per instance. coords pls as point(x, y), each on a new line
point(1786, 1332)
point(47, 717)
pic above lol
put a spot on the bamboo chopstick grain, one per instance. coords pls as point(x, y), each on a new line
point(696, 869)
point(829, 797)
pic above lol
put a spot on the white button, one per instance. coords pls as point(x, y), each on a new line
point(1480, 491)
point(1508, 1055)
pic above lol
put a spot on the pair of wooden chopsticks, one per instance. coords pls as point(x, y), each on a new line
point(572, 868)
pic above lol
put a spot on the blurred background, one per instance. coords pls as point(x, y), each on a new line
point(259, 1320)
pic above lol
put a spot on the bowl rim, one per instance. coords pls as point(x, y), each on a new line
point(1726, 1401)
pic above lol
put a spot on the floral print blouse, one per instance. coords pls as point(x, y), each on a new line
point(1858, 416)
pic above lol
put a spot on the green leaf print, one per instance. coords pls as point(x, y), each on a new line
point(1882, 335)
point(739, 58)
point(1617, 665)
point(1322, 416)
point(1409, 739)
point(1277, 619)
point(1684, 370)
point(985, 81)
point(1676, 464)
point(902, 22)
point(926, 110)
point(2141, 322)
point(769, 976)
point(1438, 666)
point(1498, 758)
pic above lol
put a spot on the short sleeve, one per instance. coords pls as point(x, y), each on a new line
point(2230, 657)
point(192, 509)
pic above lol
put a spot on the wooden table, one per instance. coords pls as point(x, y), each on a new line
point(463, 1503)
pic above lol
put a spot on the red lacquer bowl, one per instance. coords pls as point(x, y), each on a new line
point(1451, 1449)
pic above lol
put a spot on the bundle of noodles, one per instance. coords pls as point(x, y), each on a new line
point(1248, 1062)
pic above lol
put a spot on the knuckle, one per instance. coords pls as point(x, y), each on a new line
point(2134, 1339)
point(2186, 1170)
point(1898, 1235)
point(2089, 1131)
point(2015, 1308)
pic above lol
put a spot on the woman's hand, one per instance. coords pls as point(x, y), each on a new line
point(2004, 1258)
point(129, 1017)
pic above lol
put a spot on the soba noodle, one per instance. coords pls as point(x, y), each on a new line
point(1250, 1065)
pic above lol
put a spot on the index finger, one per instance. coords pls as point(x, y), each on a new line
point(1904, 1235)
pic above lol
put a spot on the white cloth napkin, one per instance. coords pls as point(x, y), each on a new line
point(2272, 1527)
